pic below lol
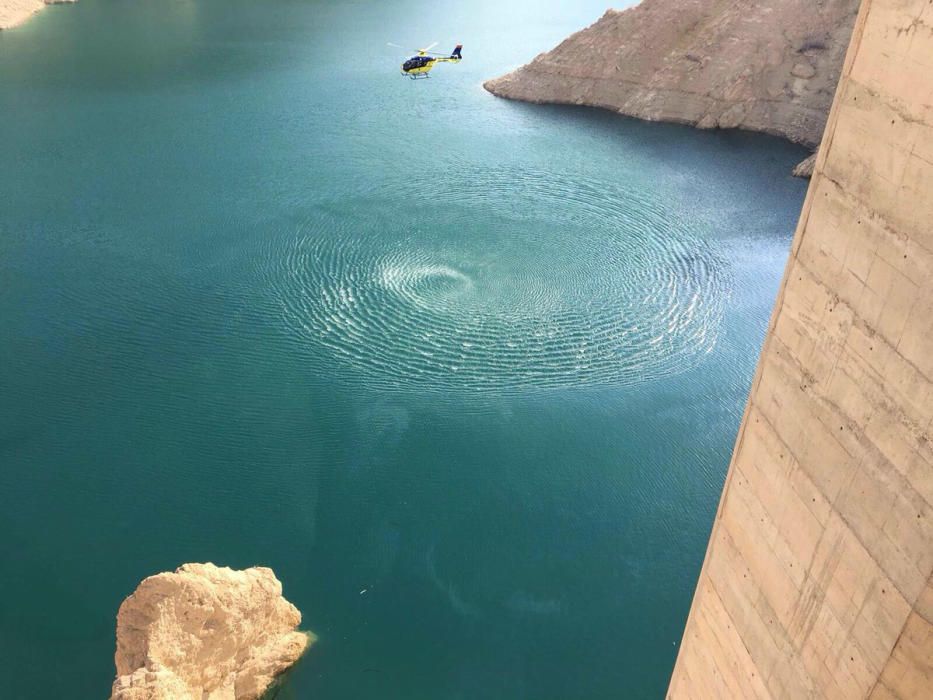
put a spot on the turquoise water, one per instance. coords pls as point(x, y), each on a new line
point(264, 301)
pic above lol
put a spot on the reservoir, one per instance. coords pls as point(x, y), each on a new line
point(466, 373)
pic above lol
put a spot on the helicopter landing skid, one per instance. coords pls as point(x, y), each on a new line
point(417, 76)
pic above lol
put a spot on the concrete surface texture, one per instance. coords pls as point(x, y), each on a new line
point(817, 579)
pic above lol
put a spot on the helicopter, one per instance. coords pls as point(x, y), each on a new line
point(420, 65)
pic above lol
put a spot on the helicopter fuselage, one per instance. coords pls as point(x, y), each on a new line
point(419, 66)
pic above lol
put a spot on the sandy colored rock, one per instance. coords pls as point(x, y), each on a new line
point(762, 65)
point(205, 633)
point(805, 167)
point(13, 12)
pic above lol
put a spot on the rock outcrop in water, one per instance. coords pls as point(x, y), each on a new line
point(205, 632)
point(761, 65)
point(805, 167)
point(13, 12)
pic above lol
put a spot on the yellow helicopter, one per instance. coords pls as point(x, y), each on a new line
point(420, 65)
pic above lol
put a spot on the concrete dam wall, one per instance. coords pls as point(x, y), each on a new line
point(817, 578)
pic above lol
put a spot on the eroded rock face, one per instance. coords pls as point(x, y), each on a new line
point(762, 65)
point(13, 12)
point(805, 167)
point(205, 633)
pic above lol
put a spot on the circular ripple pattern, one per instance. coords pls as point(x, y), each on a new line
point(504, 282)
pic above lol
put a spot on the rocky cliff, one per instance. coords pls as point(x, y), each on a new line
point(762, 65)
point(205, 633)
point(13, 12)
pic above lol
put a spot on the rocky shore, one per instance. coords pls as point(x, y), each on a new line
point(13, 12)
point(205, 631)
point(762, 65)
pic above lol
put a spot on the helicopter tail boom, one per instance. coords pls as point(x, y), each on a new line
point(454, 56)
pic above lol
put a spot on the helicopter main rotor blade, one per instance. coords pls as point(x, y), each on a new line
point(428, 48)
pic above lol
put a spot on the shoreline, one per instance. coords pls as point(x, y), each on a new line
point(711, 64)
point(14, 12)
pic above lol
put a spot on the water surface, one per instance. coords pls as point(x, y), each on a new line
point(264, 301)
